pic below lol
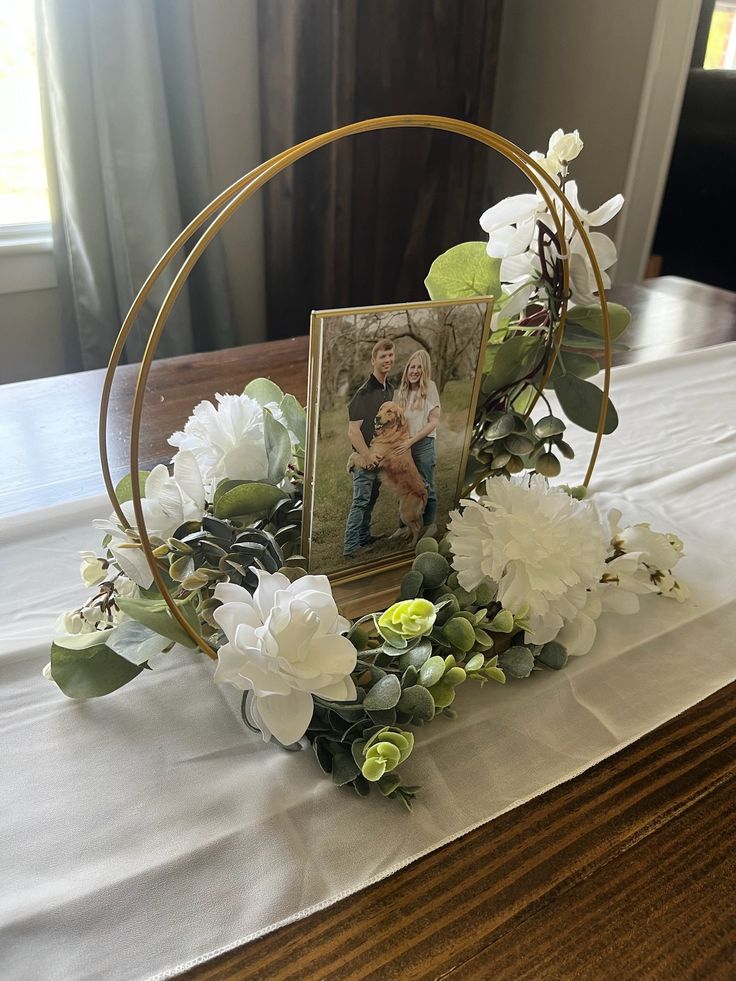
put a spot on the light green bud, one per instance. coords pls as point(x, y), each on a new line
point(409, 618)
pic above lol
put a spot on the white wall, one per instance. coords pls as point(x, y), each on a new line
point(613, 70)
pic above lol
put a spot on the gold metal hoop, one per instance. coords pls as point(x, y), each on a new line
point(233, 198)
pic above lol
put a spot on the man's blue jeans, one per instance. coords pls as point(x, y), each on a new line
point(425, 459)
point(365, 494)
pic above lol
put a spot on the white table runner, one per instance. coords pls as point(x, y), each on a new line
point(148, 830)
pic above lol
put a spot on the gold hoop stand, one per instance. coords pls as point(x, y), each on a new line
point(227, 203)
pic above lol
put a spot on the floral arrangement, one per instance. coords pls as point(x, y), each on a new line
point(515, 586)
point(521, 265)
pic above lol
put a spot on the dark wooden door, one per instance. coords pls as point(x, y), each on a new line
point(360, 222)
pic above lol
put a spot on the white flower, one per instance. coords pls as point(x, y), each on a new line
point(564, 146)
point(578, 635)
point(622, 583)
point(284, 645)
point(99, 613)
point(92, 569)
point(650, 557)
point(543, 548)
point(73, 622)
point(169, 501)
point(513, 235)
point(549, 163)
point(227, 440)
point(656, 549)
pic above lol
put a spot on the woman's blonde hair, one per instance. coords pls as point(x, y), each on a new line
point(408, 397)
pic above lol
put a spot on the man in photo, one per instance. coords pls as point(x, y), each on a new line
point(362, 411)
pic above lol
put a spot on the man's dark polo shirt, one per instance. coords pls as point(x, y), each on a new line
point(365, 404)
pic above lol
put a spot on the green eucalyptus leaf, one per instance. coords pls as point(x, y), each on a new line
point(124, 489)
point(547, 464)
point(553, 655)
point(224, 486)
point(91, 672)
point(344, 769)
point(296, 417)
point(81, 642)
point(514, 359)
point(356, 750)
point(499, 427)
point(373, 769)
point(247, 498)
point(582, 365)
point(581, 403)
point(578, 337)
point(518, 661)
point(464, 270)
point(417, 703)
point(416, 656)
point(135, 642)
point(431, 671)
point(388, 783)
point(156, 615)
point(443, 694)
point(518, 445)
point(264, 391)
point(548, 426)
point(384, 695)
point(278, 447)
point(591, 318)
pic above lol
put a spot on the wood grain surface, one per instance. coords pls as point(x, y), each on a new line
point(627, 871)
point(48, 427)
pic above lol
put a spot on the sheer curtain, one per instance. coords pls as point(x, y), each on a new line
point(128, 166)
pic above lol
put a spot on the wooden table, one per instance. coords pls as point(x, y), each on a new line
point(628, 871)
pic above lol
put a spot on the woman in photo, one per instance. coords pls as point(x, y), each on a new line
point(418, 397)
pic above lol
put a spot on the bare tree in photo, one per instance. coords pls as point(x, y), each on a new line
point(449, 334)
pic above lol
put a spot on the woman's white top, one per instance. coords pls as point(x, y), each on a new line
point(417, 413)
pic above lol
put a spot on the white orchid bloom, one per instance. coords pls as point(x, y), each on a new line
point(657, 549)
point(510, 224)
point(564, 146)
point(646, 559)
point(169, 501)
point(285, 644)
point(72, 622)
point(92, 569)
point(551, 164)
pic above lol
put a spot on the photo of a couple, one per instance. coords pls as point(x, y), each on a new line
point(394, 391)
point(394, 435)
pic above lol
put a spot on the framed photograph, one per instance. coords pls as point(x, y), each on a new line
point(392, 397)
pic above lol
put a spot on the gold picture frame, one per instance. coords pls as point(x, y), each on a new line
point(403, 556)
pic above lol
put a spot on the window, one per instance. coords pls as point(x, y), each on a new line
point(24, 202)
point(721, 49)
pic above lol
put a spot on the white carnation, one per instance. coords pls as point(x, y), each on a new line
point(227, 440)
point(545, 550)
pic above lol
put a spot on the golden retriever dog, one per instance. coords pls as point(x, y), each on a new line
point(397, 470)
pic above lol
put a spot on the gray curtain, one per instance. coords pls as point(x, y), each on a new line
point(128, 167)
